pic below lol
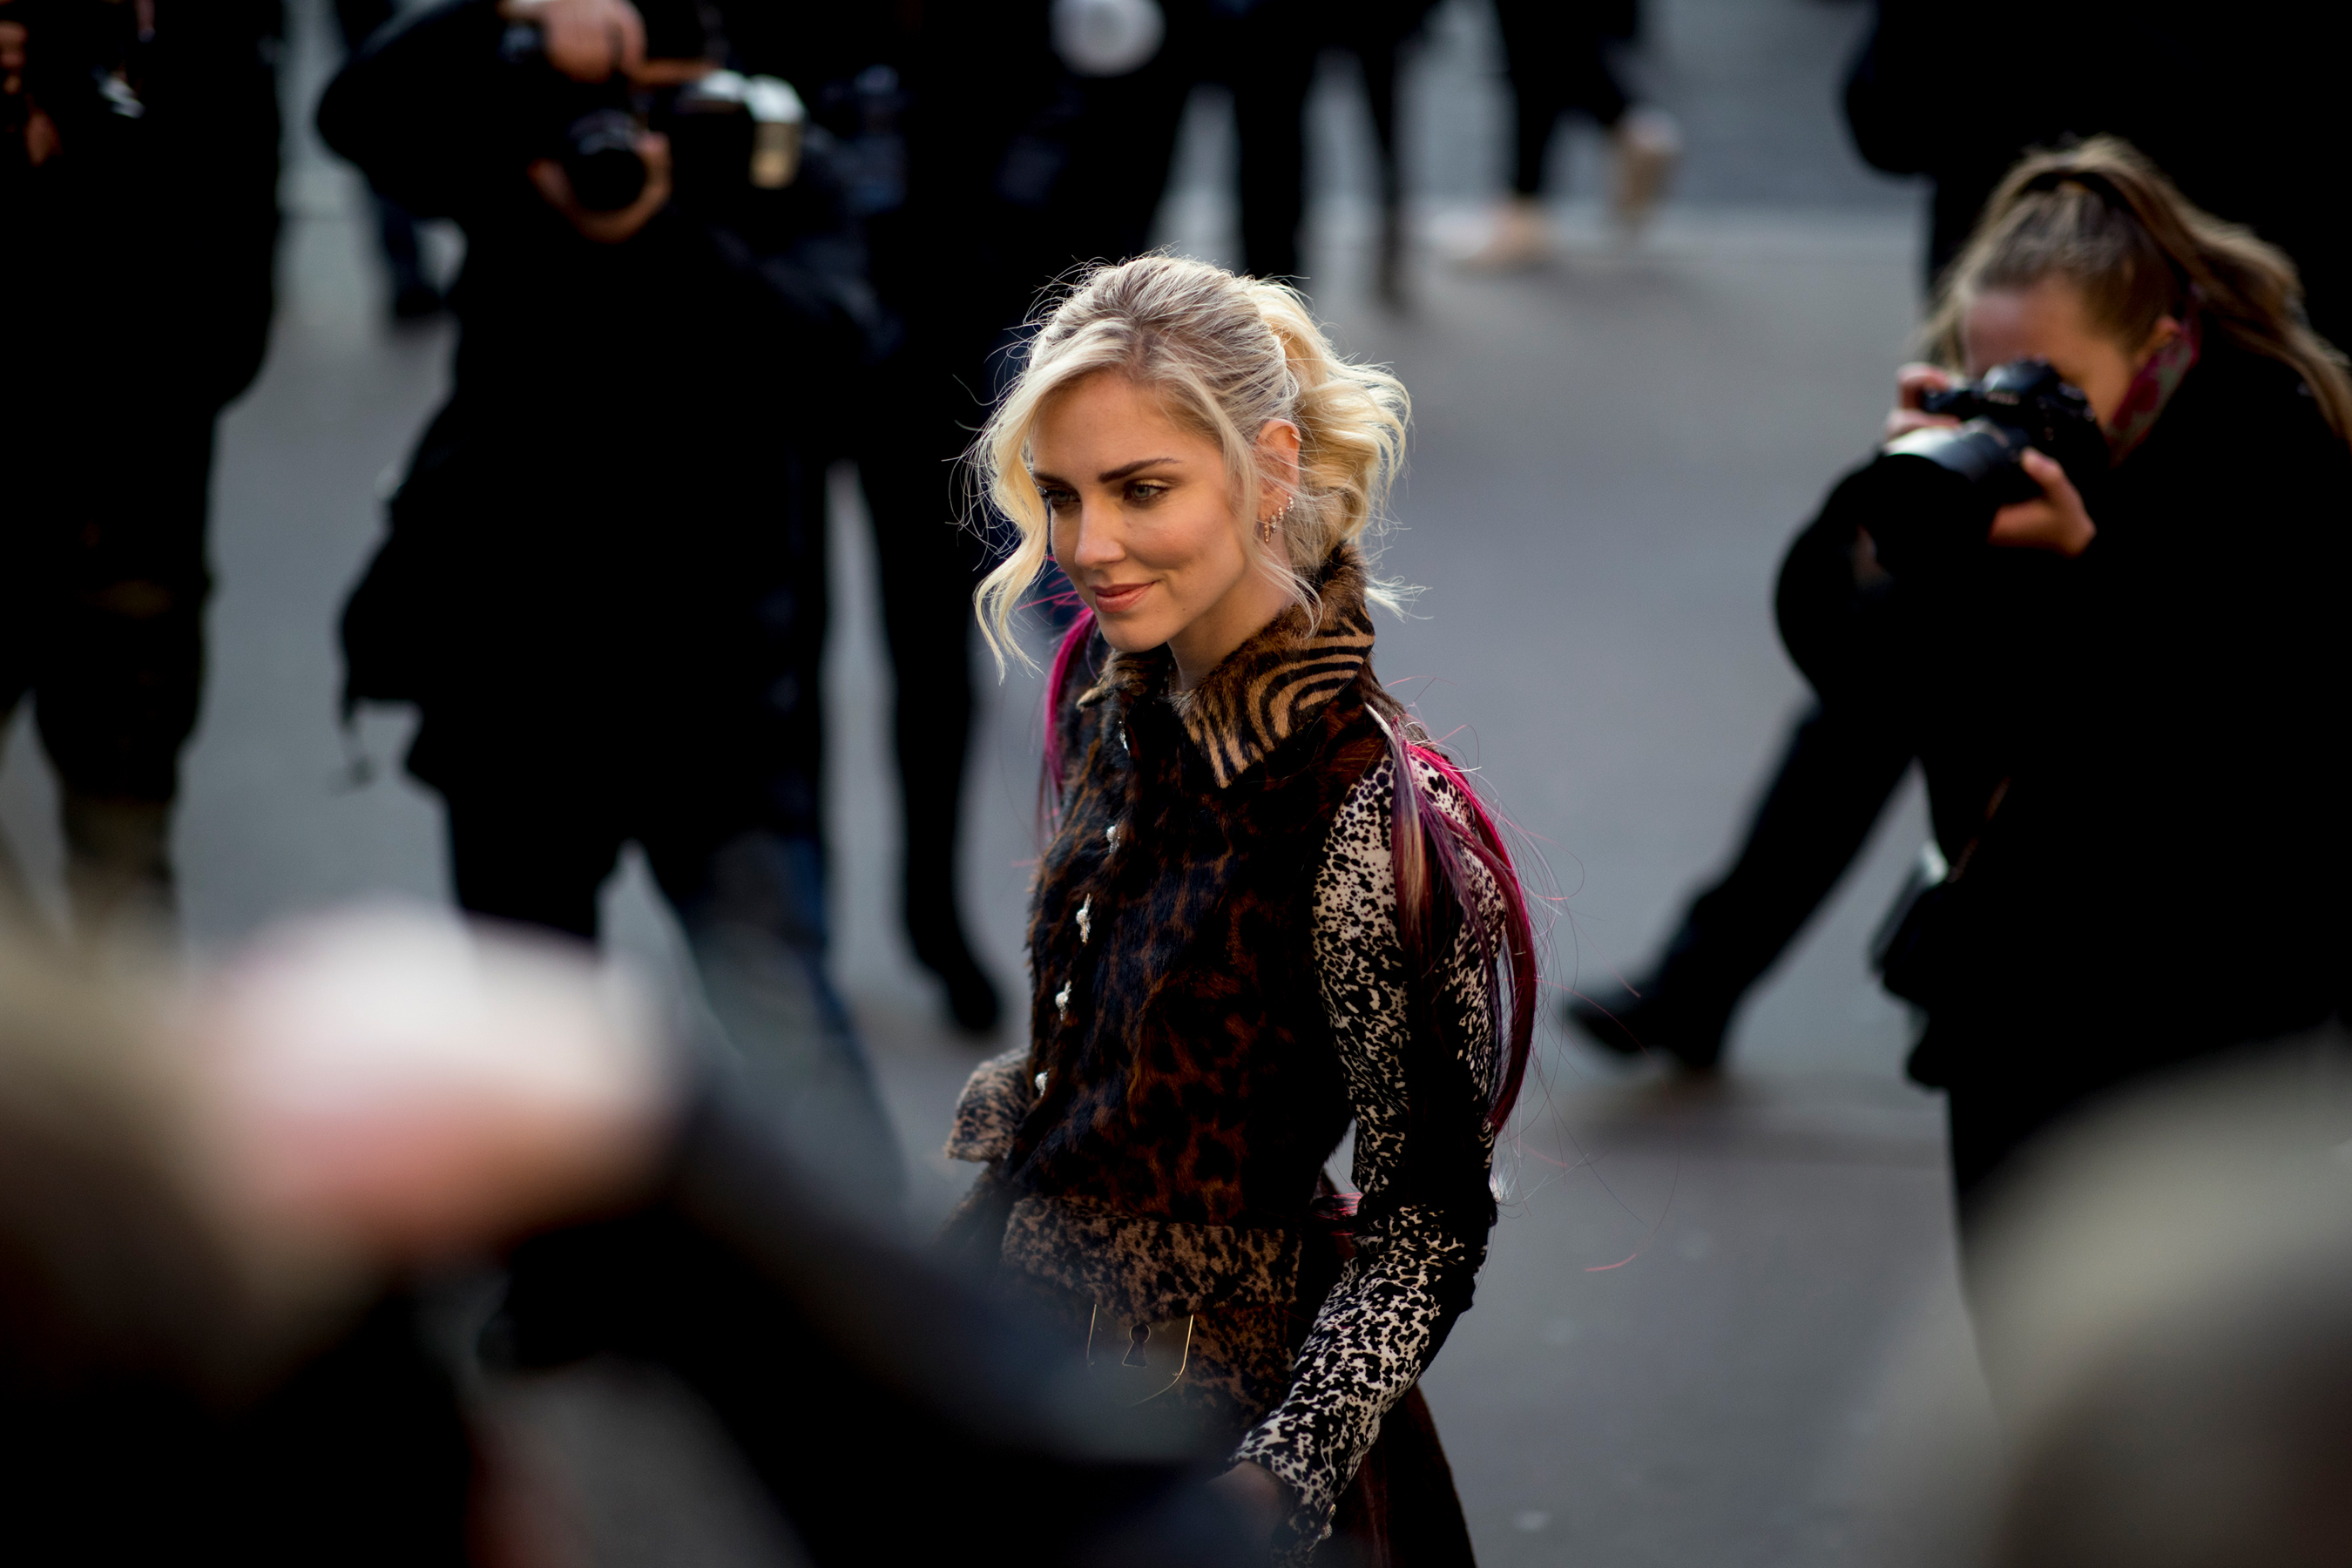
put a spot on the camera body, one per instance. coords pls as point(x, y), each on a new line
point(2022, 404)
point(730, 135)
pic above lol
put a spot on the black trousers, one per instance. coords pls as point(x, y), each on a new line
point(1265, 53)
point(1835, 772)
point(929, 566)
point(102, 587)
point(1266, 56)
point(1552, 51)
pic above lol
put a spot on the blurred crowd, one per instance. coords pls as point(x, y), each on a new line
point(715, 251)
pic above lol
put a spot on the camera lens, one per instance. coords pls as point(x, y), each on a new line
point(601, 157)
point(1977, 451)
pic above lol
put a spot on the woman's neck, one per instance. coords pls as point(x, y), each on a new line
point(1206, 640)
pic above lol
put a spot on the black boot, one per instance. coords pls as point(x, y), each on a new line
point(1654, 1020)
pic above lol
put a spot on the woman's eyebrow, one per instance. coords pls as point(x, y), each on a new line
point(1126, 471)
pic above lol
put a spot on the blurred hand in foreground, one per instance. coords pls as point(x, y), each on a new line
point(401, 1087)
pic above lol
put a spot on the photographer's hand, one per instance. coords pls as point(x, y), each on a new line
point(613, 227)
point(1910, 382)
point(41, 133)
point(587, 41)
point(2058, 522)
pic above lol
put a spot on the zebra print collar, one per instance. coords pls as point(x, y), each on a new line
point(1270, 687)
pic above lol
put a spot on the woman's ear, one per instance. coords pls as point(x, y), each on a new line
point(2167, 329)
point(1277, 453)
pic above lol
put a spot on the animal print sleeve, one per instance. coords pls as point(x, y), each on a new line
point(1414, 1262)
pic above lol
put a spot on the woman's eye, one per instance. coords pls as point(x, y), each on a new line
point(1144, 492)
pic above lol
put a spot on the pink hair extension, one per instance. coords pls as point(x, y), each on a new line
point(1074, 642)
point(1420, 831)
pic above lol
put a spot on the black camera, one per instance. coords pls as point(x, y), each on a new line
point(1930, 496)
point(2019, 404)
point(728, 133)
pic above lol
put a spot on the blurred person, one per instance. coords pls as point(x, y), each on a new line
point(1264, 52)
point(603, 584)
point(1378, 33)
point(1956, 100)
point(1555, 53)
point(139, 191)
point(1128, 110)
point(1269, 908)
point(2165, 1319)
point(1961, 104)
point(415, 296)
point(1021, 138)
point(2128, 711)
point(227, 1204)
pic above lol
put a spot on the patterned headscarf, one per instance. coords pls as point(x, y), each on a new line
point(2153, 387)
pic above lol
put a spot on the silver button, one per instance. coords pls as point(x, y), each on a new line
point(1111, 835)
point(1061, 1001)
point(1086, 920)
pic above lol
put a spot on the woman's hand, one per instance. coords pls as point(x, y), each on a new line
point(1911, 383)
point(2058, 522)
point(1250, 1489)
point(587, 41)
point(613, 227)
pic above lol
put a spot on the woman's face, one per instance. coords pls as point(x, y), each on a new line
point(1143, 521)
point(2050, 321)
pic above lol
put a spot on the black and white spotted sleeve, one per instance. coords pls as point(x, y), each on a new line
point(1417, 1247)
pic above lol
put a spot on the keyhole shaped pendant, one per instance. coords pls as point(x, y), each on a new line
point(1086, 920)
point(1062, 1002)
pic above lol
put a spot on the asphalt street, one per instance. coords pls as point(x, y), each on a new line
point(1678, 1351)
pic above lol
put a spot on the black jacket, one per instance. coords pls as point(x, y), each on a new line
point(607, 554)
point(2165, 873)
point(139, 261)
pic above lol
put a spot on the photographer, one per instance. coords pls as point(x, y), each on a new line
point(604, 583)
point(139, 198)
point(2099, 592)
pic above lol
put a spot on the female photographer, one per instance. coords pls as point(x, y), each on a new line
point(2127, 689)
point(1269, 908)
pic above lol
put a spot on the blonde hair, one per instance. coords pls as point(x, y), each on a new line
point(2106, 219)
point(1226, 355)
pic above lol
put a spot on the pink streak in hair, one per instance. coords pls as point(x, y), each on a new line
point(1421, 827)
point(1074, 642)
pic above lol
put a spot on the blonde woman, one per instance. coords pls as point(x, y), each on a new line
point(1268, 908)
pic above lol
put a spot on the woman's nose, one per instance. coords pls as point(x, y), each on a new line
point(1096, 544)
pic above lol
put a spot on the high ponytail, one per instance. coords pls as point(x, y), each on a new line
point(2108, 221)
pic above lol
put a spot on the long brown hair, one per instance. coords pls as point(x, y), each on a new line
point(2102, 216)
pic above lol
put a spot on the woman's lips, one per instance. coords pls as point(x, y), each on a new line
point(1115, 597)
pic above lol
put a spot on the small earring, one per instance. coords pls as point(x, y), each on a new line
point(1269, 524)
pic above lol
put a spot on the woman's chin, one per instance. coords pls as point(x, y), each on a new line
point(1132, 633)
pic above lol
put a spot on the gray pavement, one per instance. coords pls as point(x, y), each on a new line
point(1676, 1352)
